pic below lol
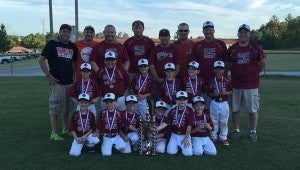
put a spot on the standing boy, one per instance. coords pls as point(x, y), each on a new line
point(85, 85)
point(113, 79)
point(181, 119)
point(108, 124)
point(201, 129)
point(82, 126)
point(142, 86)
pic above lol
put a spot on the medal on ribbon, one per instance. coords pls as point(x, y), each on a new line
point(131, 118)
point(84, 89)
point(110, 120)
point(83, 125)
point(110, 77)
point(170, 90)
point(179, 117)
point(142, 83)
point(194, 90)
point(219, 86)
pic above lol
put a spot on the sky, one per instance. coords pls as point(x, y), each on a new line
point(23, 17)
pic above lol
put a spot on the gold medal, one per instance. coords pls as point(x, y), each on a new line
point(111, 86)
point(220, 99)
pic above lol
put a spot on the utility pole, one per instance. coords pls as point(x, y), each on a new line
point(76, 20)
point(51, 19)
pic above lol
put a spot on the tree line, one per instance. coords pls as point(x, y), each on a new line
point(274, 35)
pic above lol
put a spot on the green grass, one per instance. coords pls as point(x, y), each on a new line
point(20, 64)
point(25, 131)
point(283, 62)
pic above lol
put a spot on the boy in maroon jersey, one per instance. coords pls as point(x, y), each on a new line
point(113, 79)
point(201, 129)
point(162, 135)
point(219, 90)
point(193, 84)
point(181, 119)
point(142, 86)
point(169, 87)
point(108, 124)
point(131, 122)
point(85, 85)
point(82, 126)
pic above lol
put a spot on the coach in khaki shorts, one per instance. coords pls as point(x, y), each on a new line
point(245, 59)
point(61, 55)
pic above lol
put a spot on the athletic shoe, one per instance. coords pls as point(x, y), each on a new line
point(91, 150)
point(225, 142)
point(235, 134)
point(66, 132)
point(253, 137)
point(55, 136)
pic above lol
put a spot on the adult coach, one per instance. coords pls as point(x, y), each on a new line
point(138, 47)
point(246, 61)
point(109, 44)
point(61, 55)
point(184, 46)
point(85, 47)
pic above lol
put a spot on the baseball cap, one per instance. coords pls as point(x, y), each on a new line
point(208, 24)
point(89, 27)
point(161, 104)
point(85, 66)
point(84, 96)
point(219, 64)
point(197, 99)
point(181, 94)
point(109, 96)
point(245, 27)
point(164, 32)
point(110, 55)
point(169, 66)
point(131, 98)
point(65, 26)
point(194, 64)
point(143, 62)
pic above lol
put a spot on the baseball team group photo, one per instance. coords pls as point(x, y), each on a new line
point(143, 103)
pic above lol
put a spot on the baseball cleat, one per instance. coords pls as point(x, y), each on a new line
point(225, 142)
point(55, 136)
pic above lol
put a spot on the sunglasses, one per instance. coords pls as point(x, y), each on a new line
point(184, 30)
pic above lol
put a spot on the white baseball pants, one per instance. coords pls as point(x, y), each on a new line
point(108, 143)
point(219, 113)
point(177, 140)
point(203, 145)
point(133, 139)
point(77, 147)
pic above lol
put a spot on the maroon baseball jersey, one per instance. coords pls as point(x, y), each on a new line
point(81, 124)
point(206, 53)
point(90, 87)
point(204, 118)
point(167, 90)
point(129, 119)
point(179, 120)
point(193, 87)
point(109, 122)
point(138, 49)
point(113, 80)
point(244, 65)
point(165, 130)
point(142, 84)
point(99, 50)
point(160, 56)
point(219, 84)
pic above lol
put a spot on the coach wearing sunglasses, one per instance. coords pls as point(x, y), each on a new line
point(184, 46)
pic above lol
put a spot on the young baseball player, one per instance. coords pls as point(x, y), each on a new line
point(85, 85)
point(82, 126)
point(219, 90)
point(181, 119)
point(193, 84)
point(169, 87)
point(201, 129)
point(142, 86)
point(131, 121)
point(113, 79)
point(161, 136)
point(108, 124)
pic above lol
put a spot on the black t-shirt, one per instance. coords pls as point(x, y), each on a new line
point(60, 57)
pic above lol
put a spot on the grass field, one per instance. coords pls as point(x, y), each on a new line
point(25, 130)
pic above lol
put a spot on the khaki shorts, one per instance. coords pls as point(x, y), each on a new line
point(59, 103)
point(250, 96)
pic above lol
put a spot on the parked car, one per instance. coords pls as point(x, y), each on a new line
point(5, 59)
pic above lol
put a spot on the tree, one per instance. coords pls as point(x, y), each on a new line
point(4, 41)
point(34, 41)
